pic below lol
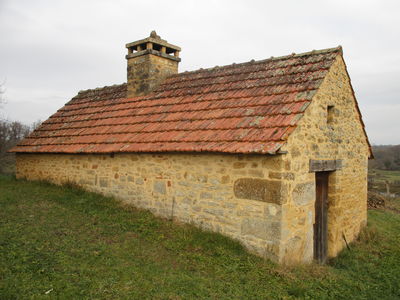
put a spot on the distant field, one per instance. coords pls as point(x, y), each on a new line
point(382, 175)
point(64, 243)
point(378, 180)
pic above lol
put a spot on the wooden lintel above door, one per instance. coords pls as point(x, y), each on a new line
point(325, 165)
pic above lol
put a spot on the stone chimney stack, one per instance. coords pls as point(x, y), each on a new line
point(150, 61)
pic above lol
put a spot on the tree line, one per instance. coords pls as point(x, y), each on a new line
point(386, 157)
point(11, 132)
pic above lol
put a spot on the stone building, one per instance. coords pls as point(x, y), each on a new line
point(272, 153)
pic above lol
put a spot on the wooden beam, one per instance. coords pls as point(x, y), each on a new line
point(325, 165)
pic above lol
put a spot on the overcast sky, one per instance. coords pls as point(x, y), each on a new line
point(49, 50)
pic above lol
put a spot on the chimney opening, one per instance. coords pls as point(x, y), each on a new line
point(157, 47)
point(170, 50)
point(137, 48)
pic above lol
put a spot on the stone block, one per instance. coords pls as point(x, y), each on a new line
point(261, 228)
point(272, 210)
point(239, 165)
point(256, 173)
point(294, 250)
point(272, 163)
point(225, 179)
point(213, 211)
point(260, 189)
point(86, 181)
point(159, 187)
point(103, 182)
point(205, 195)
point(304, 193)
point(281, 175)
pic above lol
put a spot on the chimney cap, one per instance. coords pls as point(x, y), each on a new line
point(155, 39)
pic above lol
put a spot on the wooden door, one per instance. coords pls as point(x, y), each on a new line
point(321, 217)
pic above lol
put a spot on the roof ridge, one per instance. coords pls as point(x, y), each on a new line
point(253, 62)
point(147, 98)
point(102, 88)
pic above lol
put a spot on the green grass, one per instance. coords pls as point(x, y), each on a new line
point(78, 245)
point(382, 175)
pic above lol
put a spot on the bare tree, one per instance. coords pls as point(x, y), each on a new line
point(10, 134)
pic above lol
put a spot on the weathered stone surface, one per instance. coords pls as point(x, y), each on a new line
point(103, 182)
point(159, 187)
point(325, 165)
point(272, 210)
point(239, 165)
point(342, 139)
point(146, 72)
point(304, 193)
point(139, 181)
point(213, 211)
point(281, 175)
point(225, 179)
point(293, 250)
point(261, 228)
point(86, 181)
point(259, 189)
point(205, 195)
point(256, 173)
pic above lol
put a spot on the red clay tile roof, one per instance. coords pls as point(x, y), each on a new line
point(240, 108)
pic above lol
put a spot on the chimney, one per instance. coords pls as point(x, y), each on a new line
point(150, 61)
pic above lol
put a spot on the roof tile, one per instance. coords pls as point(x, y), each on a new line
point(241, 108)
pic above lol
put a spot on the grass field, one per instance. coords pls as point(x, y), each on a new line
point(63, 243)
point(382, 175)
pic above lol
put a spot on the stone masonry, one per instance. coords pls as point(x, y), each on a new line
point(320, 139)
point(149, 63)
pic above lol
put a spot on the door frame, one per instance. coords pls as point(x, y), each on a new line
point(328, 167)
point(320, 237)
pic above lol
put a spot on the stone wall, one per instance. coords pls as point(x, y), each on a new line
point(341, 137)
point(146, 72)
point(237, 195)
